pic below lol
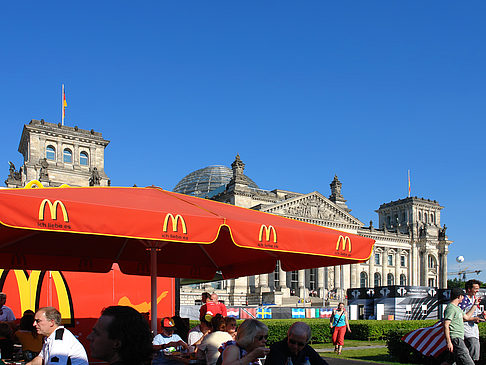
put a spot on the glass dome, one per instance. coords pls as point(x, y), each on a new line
point(204, 181)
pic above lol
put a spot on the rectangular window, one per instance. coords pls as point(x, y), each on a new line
point(402, 261)
point(408, 309)
point(390, 260)
point(377, 259)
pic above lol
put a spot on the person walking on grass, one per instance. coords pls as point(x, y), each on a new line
point(339, 323)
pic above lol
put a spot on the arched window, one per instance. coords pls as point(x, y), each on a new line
point(425, 218)
point(390, 280)
point(83, 158)
point(388, 221)
point(420, 216)
point(403, 279)
point(377, 279)
point(432, 262)
point(363, 279)
point(50, 153)
point(432, 218)
point(67, 156)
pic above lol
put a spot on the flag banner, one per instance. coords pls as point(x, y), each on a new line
point(264, 312)
point(429, 341)
point(312, 312)
point(233, 312)
point(247, 313)
point(325, 313)
point(298, 313)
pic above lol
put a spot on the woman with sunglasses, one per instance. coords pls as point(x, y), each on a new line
point(339, 323)
point(250, 344)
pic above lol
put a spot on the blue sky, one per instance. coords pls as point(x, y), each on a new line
point(301, 90)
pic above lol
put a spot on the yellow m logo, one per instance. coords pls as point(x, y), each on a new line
point(343, 241)
point(53, 209)
point(268, 231)
point(175, 221)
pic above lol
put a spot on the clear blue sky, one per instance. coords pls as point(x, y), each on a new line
point(301, 90)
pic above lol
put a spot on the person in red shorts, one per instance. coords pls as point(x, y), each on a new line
point(339, 324)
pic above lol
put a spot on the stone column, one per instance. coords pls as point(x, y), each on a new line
point(414, 266)
point(283, 282)
point(302, 289)
point(354, 276)
point(371, 270)
point(443, 272)
point(320, 283)
point(425, 266)
point(397, 267)
point(263, 283)
point(384, 268)
point(337, 277)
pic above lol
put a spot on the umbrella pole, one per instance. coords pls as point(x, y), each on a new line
point(153, 289)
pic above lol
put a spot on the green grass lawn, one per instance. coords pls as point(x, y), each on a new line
point(378, 355)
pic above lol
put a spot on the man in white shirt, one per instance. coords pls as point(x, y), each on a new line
point(166, 342)
point(6, 314)
point(60, 346)
point(471, 330)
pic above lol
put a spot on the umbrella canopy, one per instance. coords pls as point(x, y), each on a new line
point(89, 229)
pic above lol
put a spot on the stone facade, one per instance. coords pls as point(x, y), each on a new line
point(56, 154)
point(411, 247)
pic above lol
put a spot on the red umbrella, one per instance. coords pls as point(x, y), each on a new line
point(89, 229)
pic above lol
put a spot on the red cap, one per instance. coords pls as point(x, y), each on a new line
point(168, 323)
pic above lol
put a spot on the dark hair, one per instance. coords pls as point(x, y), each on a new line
point(27, 324)
point(205, 296)
point(470, 283)
point(218, 323)
point(131, 328)
point(456, 293)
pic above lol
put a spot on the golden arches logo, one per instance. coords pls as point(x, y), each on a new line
point(343, 240)
point(53, 210)
point(268, 230)
point(175, 221)
point(30, 287)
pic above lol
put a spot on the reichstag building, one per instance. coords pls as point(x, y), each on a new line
point(411, 245)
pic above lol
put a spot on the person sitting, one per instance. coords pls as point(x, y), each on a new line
point(166, 342)
point(231, 326)
point(250, 344)
point(209, 347)
point(205, 298)
point(121, 336)
point(197, 334)
point(28, 337)
point(295, 347)
point(6, 341)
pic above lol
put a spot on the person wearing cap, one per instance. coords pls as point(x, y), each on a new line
point(454, 319)
point(166, 342)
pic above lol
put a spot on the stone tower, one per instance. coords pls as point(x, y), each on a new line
point(56, 154)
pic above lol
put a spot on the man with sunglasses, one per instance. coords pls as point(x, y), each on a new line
point(60, 346)
point(295, 347)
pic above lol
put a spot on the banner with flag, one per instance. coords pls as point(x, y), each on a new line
point(247, 313)
point(312, 312)
point(429, 341)
point(325, 313)
point(233, 312)
point(298, 313)
point(264, 312)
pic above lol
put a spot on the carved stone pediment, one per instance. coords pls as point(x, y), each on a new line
point(312, 206)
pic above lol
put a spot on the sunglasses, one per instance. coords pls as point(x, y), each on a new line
point(262, 337)
point(293, 342)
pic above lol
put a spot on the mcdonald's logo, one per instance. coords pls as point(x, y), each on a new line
point(30, 289)
point(343, 240)
point(268, 230)
point(53, 210)
point(175, 221)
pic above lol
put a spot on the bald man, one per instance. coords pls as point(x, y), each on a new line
point(294, 346)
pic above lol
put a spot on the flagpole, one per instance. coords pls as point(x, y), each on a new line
point(409, 183)
point(62, 105)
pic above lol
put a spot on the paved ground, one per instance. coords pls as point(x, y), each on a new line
point(352, 348)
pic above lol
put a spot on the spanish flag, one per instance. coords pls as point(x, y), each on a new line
point(64, 104)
